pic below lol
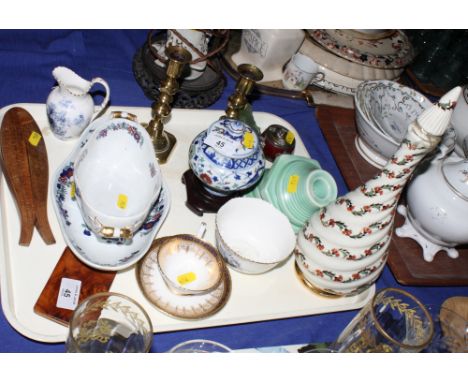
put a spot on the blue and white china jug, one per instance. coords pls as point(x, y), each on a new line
point(70, 108)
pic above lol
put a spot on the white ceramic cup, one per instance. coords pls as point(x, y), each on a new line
point(252, 235)
point(300, 71)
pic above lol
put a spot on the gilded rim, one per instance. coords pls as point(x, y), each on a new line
point(312, 287)
point(71, 338)
point(386, 335)
point(210, 248)
point(327, 292)
point(222, 301)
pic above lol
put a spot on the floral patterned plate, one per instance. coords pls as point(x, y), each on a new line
point(392, 52)
point(180, 306)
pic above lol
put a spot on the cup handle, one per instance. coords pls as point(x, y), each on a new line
point(446, 146)
point(319, 76)
point(99, 108)
point(201, 230)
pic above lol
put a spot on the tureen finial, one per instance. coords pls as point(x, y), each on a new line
point(436, 119)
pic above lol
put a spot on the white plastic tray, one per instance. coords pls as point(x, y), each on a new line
point(25, 270)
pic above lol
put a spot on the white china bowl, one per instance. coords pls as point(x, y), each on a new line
point(117, 177)
point(252, 235)
point(189, 266)
point(383, 108)
point(393, 107)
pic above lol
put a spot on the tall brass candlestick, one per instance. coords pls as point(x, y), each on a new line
point(249, 74)
point(163, 141)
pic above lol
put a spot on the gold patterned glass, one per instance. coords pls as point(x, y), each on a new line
point(394, 321)
point(109, 323)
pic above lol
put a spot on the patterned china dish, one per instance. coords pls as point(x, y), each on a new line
point(340, 65)
point(394, 51)
point(190, 307)
point(117, 177)
point(189, 265)
point(384, 109)
point(227, 157)
point(392, 107)
point(98, 252)
point(252, 235)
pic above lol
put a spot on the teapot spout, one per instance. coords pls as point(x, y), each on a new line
point(70, 81)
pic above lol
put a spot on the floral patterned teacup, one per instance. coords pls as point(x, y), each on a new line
point(300, 71)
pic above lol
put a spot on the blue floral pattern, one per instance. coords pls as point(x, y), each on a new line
point(227, 173)
point(62, 116)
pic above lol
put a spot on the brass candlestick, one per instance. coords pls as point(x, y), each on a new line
point(249, 74)
point(163, 142)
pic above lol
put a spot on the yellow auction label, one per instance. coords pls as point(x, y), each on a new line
point(249, 140)
point(186, 278)
point(122, 201)
point(292, 183)
point(289, 137)
point(73, 190)
point(34, 138)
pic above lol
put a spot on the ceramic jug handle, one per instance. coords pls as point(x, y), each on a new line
point(446, 146)
point(104, 103)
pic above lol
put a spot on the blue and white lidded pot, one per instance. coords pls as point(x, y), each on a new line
point(227, 157)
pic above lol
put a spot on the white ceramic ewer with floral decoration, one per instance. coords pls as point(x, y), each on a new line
point(343, 247)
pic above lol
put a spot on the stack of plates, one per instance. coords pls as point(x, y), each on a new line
point(348, 57)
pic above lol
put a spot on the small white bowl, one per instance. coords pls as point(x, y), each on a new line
point(392, 107)
point(371, 135)
point(117, 177)
point(252, 235)
point(189, 265)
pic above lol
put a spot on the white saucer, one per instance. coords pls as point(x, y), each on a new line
point(95, 251)
point(179, 306)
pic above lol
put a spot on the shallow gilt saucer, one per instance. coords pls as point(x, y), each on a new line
point(95, 251)
point(180, 306)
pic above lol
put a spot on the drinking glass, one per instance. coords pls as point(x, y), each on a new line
point(200, 346)
point(109, 322)
point(450, 331)
point(393, 321)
